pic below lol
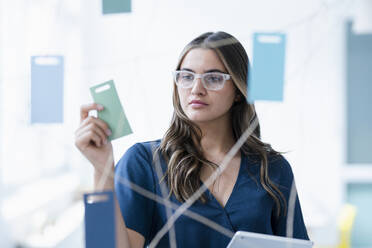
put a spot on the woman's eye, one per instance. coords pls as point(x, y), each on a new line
point(187, 77)
point(213, 79)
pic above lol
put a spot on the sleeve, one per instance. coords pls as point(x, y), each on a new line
point(137, 210)
point(284, 179)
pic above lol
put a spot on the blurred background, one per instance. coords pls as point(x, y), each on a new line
point(324, 121)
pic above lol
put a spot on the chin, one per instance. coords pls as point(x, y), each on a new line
point(203, 117)
point(199, 118)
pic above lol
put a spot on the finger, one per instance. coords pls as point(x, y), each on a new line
point(95, 128)
point(85, 108)
point(100, 123)
point(87, 137)
point(82, 141)
point(98, 130)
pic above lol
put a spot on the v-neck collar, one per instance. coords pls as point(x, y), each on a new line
point(228, 203)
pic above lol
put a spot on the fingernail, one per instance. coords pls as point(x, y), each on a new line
point(99, 106)
point(108, 132)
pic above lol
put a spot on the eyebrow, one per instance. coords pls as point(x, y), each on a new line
point(212, 70)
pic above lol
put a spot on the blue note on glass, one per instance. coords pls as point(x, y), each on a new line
point(99, 220)
point(266, 79)
point(116, 6)
point(358, 97)
point(47, 74)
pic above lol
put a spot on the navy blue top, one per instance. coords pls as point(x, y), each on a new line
point(249, 208)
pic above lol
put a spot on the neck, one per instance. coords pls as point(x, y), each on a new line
point(217, 137)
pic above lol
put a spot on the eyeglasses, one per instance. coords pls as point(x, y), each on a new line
point(210, 80)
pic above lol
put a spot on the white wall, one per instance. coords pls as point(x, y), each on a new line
point(5, 240)
point(33, 154)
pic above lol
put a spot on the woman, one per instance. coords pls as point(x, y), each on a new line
point(210, 114)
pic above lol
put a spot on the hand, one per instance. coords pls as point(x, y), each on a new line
point(91, 138)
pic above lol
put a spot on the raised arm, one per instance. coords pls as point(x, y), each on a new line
point(91, 140)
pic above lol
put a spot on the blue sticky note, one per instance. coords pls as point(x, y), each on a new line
point(266, 79)
point(116, 6)
point(47, 74)
point(359, 195)
point(99, 220)
point(358, 96)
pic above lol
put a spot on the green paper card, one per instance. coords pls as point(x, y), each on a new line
point(113, 112)
point(116, 6)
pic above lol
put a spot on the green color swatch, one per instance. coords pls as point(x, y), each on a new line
point(116, 6)
point(113, 112)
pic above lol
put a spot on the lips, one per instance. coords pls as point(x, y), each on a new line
point(197, 102)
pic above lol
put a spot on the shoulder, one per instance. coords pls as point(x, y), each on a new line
point(277, 163)
point(280, 170)
point(142, 148)
point(138, 157)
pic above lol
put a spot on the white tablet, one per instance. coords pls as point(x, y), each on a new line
point(256, 240)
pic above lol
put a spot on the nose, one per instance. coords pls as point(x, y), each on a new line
point(198, 87)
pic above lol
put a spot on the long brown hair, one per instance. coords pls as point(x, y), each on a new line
point(181, 145)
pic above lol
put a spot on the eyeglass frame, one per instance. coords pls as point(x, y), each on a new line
point(201, 76)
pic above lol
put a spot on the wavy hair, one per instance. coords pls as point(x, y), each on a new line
point(181, 144)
